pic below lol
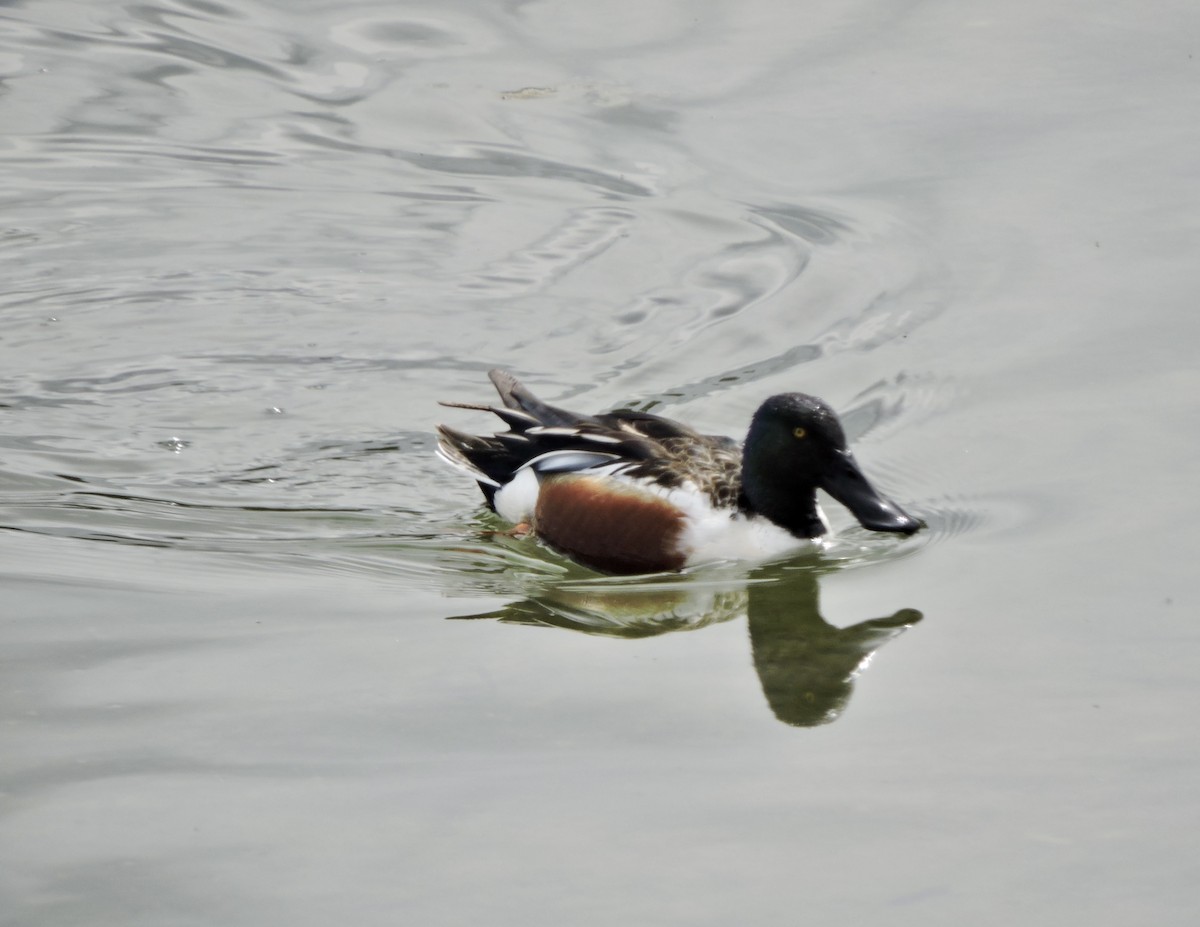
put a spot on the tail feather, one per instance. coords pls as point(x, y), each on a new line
point(515, 395)
point(459, 450)
point(513, 418)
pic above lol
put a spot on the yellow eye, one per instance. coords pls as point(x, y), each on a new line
point(799, 432)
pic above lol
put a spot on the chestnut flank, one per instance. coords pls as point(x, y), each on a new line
point(609, 526)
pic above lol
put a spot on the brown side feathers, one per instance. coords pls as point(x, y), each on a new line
point(609, 526)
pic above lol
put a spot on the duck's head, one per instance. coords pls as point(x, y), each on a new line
point(796, 446)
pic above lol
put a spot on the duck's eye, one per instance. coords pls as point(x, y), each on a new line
point(799, 432)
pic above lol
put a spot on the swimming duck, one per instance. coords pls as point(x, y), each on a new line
point(630, 492)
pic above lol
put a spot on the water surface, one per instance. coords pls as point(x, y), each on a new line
point(265, 660)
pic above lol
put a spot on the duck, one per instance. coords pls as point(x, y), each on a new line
point(629, 492)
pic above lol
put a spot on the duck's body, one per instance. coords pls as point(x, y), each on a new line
point(631, 492)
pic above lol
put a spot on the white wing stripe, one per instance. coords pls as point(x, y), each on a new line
point(568, 461)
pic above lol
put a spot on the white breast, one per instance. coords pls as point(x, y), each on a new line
point(721, 536)
point(516, 499)
point(717, 534)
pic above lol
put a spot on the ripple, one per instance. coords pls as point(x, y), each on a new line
point(415, 35)
point(902, 401)
point(494, 161)
point(823, 282)
point(583, 235)
point(816, 226)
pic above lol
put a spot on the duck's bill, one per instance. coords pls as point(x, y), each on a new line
point(846, 483)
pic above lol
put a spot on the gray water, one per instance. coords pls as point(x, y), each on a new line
point(246, 248)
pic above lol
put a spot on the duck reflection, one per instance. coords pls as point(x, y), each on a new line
point(806, 665)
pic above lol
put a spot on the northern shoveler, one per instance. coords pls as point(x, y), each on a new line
point(631, 492)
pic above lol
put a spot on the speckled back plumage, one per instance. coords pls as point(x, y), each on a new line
point(713, 464)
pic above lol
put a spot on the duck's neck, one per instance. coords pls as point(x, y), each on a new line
point(793, 510)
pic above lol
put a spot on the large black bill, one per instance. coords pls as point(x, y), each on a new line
point(846, 483)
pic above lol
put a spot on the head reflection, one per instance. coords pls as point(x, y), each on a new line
point(806, 665)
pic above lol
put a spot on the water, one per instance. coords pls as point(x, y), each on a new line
point(246, 248)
